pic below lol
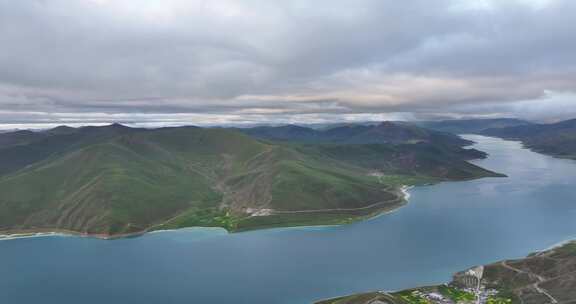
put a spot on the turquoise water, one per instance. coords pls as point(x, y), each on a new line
point(444, 228)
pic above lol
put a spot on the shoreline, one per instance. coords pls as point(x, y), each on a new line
point(405, 200)
point(66, 233)
point(45, 232)
point(555, 245)
point(406, 194)
point(534, 254)
point(15, 236)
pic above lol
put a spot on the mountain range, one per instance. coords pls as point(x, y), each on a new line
point(557, 139)
point(385, 132)
point(470, 126)
point(115, 180)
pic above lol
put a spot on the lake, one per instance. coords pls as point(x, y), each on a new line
point(443, 229)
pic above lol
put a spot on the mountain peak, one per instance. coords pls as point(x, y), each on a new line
point(118, 126)
point(61, 130)
point(387, 123)
point(567, 123)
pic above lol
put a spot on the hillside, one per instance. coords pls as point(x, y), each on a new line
point(544, 277)
point(115, 180)
point(557, 139)
point(471, 126)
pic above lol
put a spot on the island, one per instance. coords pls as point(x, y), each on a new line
point(113, 181)
point(548, 276)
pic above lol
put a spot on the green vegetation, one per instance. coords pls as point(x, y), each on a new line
point(309, 218)
point(412, 297)
point(194, 217)
point(401, 180)
point(116, 180)
point(456, 294)
point(498, 300)
point(568, 249)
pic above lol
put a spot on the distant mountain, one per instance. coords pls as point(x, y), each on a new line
point(543, 277)
point(558, 139)
point(115, 180)
point(385, 132)
point(22, 148)
point(61, 130)
point(393, 133)
point(469, 126)
point(19, 137)
point(326, 126)
point(283, 133)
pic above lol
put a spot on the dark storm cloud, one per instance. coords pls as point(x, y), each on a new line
point(173, 61)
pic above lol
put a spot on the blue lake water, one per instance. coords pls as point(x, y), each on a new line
point(444, 228)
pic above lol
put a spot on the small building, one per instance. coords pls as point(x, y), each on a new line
point(470, 278)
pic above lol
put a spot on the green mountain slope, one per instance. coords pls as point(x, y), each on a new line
point(115, 180)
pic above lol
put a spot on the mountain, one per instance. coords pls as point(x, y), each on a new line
point(557, 139)
point(115, 180)
point(23, 148)
point(543, 277)
point(61, 130)
point(385, 132)
point(470, 126)
point(19, 137)
point(283, 133)
point(391, 133)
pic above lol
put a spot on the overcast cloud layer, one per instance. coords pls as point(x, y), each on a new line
point(154, 62)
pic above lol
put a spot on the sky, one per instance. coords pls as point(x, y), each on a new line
point(174, 62)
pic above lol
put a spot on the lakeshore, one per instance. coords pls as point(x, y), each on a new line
point(544, 276)
point(46, 232)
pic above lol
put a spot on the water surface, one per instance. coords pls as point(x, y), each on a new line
point(445, 228)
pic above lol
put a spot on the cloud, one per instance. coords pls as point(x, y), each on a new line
point(552, 106)
point(257, 60)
